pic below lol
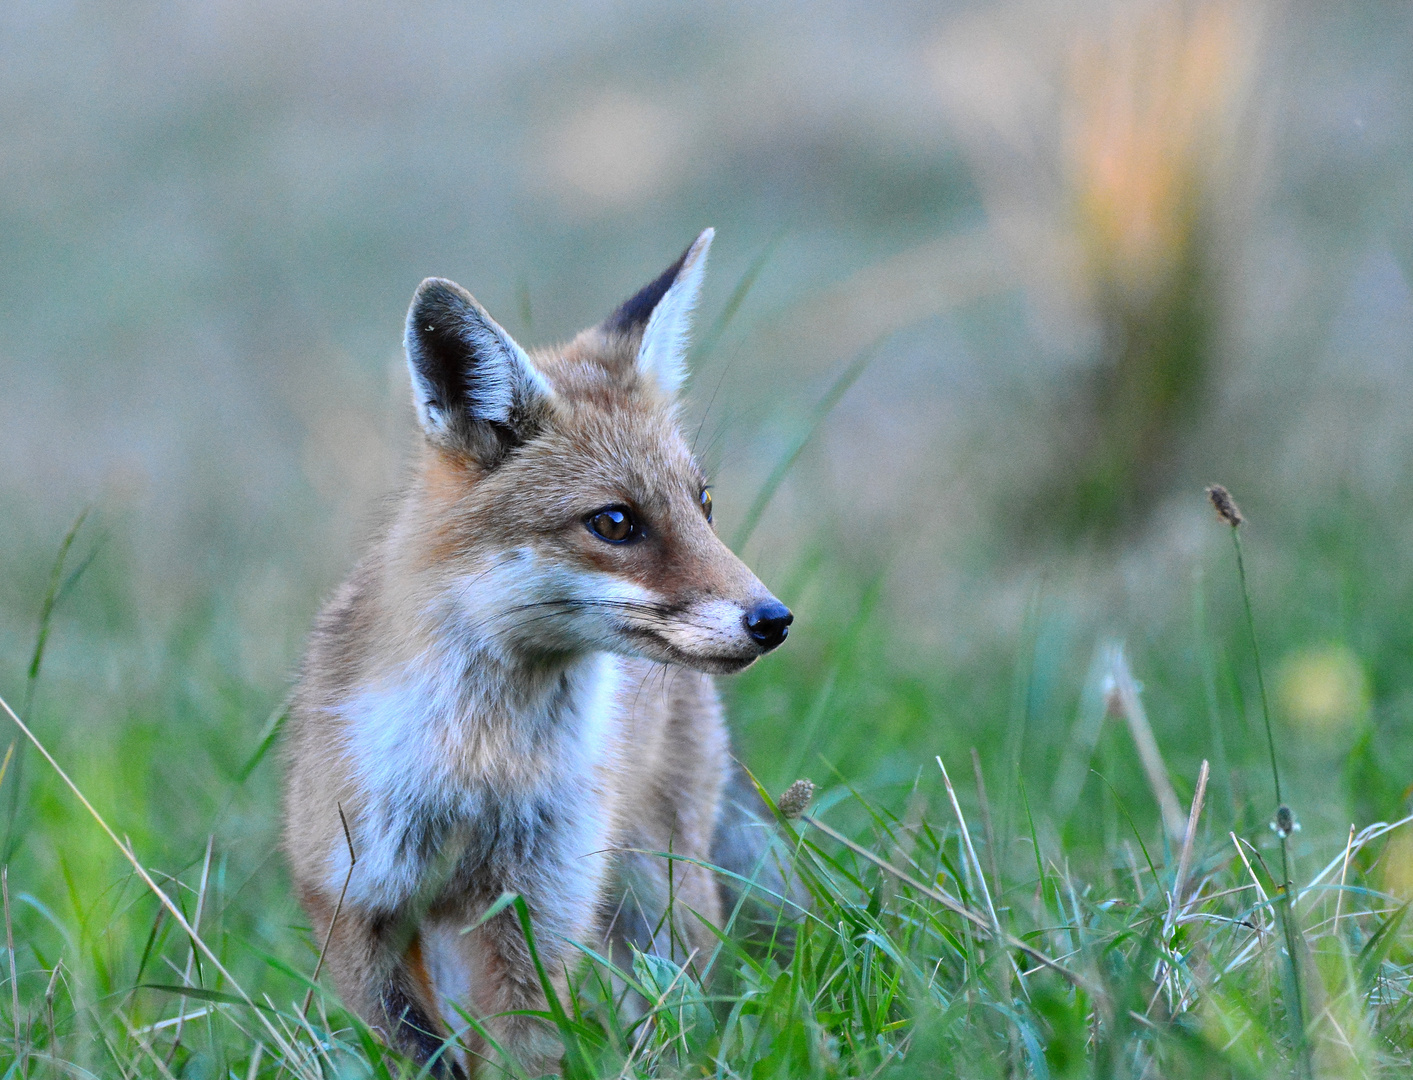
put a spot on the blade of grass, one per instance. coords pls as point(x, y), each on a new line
point(576, 1066)
point(191, 956)
point(951, 904)
point(14, 978)
point(57, 587)
point(46, 610)
point(655, 1008)
point(274, 724)
point(1131, 823)
point(504, 1063)
point(837, 389)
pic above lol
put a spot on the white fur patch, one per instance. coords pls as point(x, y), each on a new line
point(712, 628)
point(523, 601)
point(472, 702)
point(663, 353)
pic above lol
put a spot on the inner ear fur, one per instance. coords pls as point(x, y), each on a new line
point(657, 320)
point(474, 388)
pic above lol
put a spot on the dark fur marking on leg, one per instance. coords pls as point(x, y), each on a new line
point(414, 1032)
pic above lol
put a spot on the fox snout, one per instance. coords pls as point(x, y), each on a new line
point(712, 634)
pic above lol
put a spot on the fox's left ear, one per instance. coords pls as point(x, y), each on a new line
point(662, 314)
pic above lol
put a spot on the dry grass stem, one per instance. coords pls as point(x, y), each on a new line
point(338, 908)
point(646, 1027)
point(254, 1071)
point(1122, 693)
point(1343, 876)
point(173, 1021)
point(1363, 838)
point(986, 825)
point(145, 1047)
point(49, 1007)
point(972, 860)
point(1175, 902)
point(1260, 892)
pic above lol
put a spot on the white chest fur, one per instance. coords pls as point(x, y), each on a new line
point(474, 772)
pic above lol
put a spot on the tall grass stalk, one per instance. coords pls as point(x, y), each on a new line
point(1231, 515)
point(19, 1047)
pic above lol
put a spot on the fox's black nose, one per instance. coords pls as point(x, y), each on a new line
point(768, 623)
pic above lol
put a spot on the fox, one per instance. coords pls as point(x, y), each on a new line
point(512, 693)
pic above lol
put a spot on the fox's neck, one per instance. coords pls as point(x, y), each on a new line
point(459, 720)
point(504, 686)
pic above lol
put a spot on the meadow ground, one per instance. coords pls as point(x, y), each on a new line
point(1082, 259)
point(1100, 895)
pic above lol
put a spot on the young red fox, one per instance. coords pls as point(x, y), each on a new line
point(512, 691)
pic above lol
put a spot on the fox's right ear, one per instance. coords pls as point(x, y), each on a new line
point(473, 386)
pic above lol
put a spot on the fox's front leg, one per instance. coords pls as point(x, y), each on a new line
point(503, 981)
point(378, 966)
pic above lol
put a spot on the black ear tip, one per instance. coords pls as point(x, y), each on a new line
point(435, 289)
point(635, 313)
point(435, 299)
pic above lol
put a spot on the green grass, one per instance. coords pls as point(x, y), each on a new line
point(1045, 937)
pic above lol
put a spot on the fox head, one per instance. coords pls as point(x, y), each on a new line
point(563, 511)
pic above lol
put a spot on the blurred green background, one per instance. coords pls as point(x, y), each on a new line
point(1094, 255)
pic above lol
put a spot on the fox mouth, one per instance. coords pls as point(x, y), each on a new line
point(643, 624)
point(659, 648)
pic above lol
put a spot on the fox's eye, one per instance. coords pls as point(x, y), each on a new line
point(706, 503)
point(614, 524)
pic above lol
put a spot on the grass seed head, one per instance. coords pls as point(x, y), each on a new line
point(1285, 822)
point(796, 798)
point(1225, 505)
